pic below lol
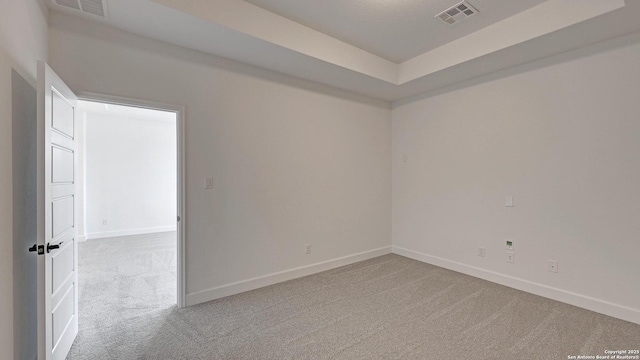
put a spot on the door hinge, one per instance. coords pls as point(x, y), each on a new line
point(38, 248)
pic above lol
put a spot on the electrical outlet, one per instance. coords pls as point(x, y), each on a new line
point(308, 249)
point(481, 251)
point(553, 266)
point(105, 222)
point(510, 257)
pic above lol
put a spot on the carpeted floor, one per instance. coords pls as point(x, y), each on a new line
point(123, 281)
point(384, 308)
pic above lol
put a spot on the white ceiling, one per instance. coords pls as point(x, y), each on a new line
point(396, 30)
point(241, 31)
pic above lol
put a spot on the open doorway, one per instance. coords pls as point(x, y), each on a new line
point(129, 200)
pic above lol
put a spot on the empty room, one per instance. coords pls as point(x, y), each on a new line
point(303, 179)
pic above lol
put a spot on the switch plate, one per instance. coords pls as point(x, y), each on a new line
point(208, 183)
point(509, 201)
point(510, 257)
point(553, 266)
point(481, 251)
point(308, 249)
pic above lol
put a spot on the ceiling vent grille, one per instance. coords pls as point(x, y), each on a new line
point(457, 13)
point(93, 7)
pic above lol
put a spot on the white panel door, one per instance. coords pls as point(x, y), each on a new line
point(58, 259)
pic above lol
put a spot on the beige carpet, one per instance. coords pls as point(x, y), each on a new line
point(385, 308)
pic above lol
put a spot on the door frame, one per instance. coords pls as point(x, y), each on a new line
point(181, 173)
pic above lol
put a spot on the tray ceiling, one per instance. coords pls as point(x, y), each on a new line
point(394, 30)
point(503, 34)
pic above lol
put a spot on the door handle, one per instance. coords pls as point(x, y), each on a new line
point(53, 247)
point(38, 248)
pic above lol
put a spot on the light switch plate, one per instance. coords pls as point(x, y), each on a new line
point(208, 183)
point(509, 201)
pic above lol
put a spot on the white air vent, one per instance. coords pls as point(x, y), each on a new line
point(93, 7)
point(457, 13)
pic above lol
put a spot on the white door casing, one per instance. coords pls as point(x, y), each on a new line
point(181, 192)
point(57, 267)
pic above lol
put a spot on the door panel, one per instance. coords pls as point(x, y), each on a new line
point(62, 213)
point(62, 119)
point(57, 268)
point(62, 165)
point(62, 316)
point(61, 267)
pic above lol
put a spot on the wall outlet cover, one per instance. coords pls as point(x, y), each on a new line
point(510, 257)
point(481, 251)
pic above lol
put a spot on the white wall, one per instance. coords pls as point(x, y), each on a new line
point(131, 173)
point(561, 136)
point(23, 41)
point(294, 163)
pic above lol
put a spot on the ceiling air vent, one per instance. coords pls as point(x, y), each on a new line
point(93, 7)
point(457, 13)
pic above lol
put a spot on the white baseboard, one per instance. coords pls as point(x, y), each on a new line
point(274, 278)
point(109, 234)
point(579, 300)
